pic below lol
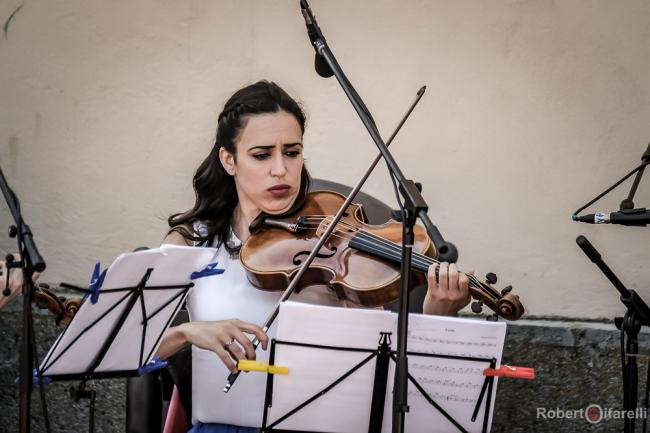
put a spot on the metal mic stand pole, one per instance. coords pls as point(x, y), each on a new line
point(414, 207)
point(30, 261)
point(446, 251)
point(637, 315)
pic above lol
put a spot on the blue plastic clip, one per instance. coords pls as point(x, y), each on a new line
point(44, 379)
point(155, 364)
point(96, 281)
point(209, 270)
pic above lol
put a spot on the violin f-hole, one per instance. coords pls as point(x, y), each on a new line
point(330, 252)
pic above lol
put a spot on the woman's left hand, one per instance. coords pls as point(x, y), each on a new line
point(449, 293)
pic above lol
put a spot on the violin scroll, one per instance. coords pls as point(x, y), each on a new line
point(504, 303)
point(62, 308)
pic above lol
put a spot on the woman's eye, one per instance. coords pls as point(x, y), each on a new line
point(261, 156)
point(293, 153)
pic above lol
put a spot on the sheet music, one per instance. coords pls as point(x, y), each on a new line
point(453, 384)
point(172, 265)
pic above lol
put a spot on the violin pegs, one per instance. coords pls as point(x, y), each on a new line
point(506, 290)
point(477, 307)
point(491, 278)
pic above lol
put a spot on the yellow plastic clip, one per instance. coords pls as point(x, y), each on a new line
point(264, 367)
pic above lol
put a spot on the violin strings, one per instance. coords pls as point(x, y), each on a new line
point(387, 246)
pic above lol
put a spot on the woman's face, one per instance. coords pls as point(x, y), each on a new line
point(268, 163)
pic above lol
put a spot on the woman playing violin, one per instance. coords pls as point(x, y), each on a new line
point(256, 165)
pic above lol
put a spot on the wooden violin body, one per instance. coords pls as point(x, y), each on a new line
point(360, 262)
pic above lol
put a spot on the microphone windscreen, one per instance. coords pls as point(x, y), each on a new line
point(321, 66)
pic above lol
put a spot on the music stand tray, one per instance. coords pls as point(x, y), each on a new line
point(125, 312)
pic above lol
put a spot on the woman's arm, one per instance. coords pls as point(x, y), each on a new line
point(226, 338)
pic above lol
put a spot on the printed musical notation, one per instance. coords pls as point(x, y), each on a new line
point(447, 383)
point(445, 369)
point(440, 397)
point(432, 340)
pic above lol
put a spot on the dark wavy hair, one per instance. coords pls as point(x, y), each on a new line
point(214, 188)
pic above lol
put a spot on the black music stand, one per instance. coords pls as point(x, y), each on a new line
point(383, 355)
point(329, 382)
point(140, 295)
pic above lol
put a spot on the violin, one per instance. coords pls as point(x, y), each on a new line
point(360, 262)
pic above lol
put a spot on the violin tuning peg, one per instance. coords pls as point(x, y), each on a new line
point(491, 278)
point(506, 290)
point(477, 307)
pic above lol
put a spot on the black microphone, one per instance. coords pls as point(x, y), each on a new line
point(321, 66)
point(626, 217)
point(314, 33)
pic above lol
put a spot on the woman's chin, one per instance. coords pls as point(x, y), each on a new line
point(278, 206)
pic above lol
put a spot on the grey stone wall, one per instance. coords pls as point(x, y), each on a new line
point(577, 364)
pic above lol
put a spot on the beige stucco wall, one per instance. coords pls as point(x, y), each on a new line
point(532, 108)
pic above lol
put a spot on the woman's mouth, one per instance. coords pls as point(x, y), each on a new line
point(280, 190)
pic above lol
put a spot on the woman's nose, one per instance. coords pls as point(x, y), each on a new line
point(278, 168)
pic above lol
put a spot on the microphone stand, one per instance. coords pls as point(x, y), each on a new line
point(637, 315)
point(30, 262)
point(414, 207)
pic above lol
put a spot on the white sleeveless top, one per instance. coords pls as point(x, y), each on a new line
point(230, 295)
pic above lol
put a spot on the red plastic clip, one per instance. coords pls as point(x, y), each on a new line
point(510, 371)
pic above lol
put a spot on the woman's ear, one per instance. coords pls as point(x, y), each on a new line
point(227, 161)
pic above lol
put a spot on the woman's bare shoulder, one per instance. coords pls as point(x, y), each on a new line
point(176, 238)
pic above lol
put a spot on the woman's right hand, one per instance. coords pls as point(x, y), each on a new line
point(226, 338)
